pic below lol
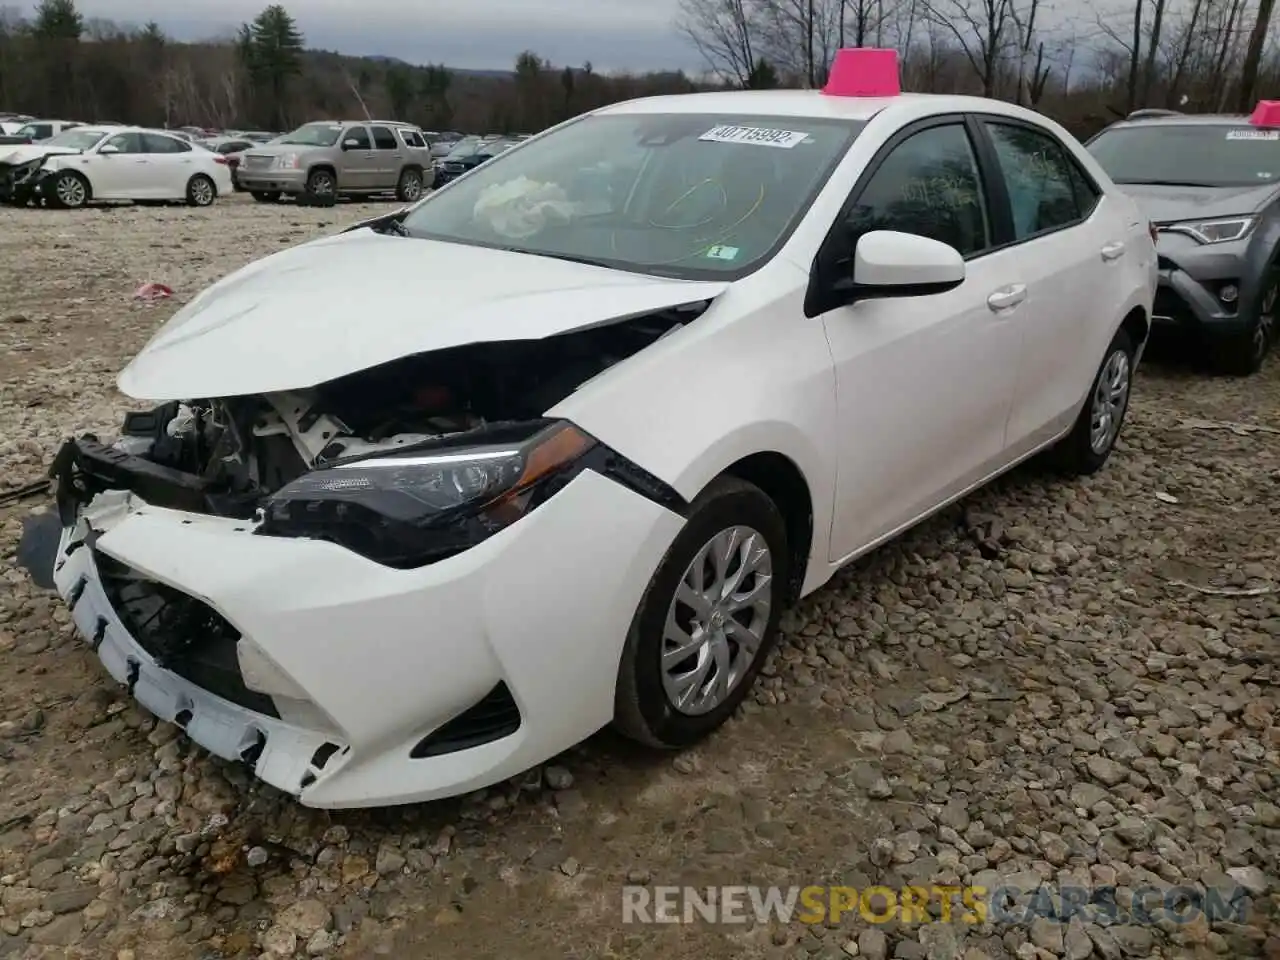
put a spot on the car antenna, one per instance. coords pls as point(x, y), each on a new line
point(359, 99)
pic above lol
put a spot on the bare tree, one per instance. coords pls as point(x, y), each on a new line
point(984, 30)
point(1153, 46)
point(1253, 56)
point(724, 32)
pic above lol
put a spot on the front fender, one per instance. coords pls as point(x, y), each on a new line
point(742, 379)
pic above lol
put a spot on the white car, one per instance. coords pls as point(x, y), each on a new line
point(91, 163)
point(386, 554)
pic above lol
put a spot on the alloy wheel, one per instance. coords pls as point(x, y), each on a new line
point(717, 619)
point(71, 191)
point(202, 192)
point(1110, 396)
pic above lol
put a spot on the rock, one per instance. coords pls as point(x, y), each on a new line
point(1106, 770)
point(1251, 878)
point(354, 869)
point(873, 944)
point(558, 778)
point(61, 932)
point(256, 856)
point(279, 942)
point(389, 861)
point(1047, 934)
point(304, 918)
point(70, 900)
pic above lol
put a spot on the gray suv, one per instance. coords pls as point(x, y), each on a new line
point(321, 161)
point(1210, 185)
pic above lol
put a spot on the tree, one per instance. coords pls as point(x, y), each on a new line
point(1253, 57)
point(724, 32)
point(272, 48)
point(56, 32)
point(57, 20)
point(762, 76)
point(399, 86)
point(436, 81)
point(983, 29)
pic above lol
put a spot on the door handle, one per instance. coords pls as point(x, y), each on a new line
point(1007, 297)
point(1113, 251)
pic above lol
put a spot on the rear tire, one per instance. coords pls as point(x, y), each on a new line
point(1089, 444)
point(703, 631)
point(1243, 356)
point(201, 191)
point(409, 188)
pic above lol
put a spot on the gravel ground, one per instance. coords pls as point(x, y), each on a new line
point(1073, 683)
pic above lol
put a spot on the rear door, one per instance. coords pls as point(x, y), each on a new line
point(171, 166)
point(389, 156)
point(1063, 241)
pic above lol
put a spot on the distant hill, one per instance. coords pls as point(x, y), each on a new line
point(458, 71)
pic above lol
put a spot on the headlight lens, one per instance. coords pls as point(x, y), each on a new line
point(419, 506)
point(287, 161)
point(1214, 231)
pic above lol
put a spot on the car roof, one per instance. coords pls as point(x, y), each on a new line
point(1187, 119)
point(812, 103)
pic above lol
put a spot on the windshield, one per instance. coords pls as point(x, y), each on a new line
point(1194, 155)
point(78, 139)
point(464, 150)
point(695, 196)
point(314, 135)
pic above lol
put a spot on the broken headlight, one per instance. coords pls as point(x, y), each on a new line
point(422, 505)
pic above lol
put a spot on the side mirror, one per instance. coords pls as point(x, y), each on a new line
point(891, 264)
point(350, 144)
point(108, 150)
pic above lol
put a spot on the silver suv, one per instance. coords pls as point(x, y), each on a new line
point(321, 161)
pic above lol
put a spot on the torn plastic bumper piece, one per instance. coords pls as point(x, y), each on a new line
point(283, 755)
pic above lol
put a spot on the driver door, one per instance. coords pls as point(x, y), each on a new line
point(923, 384)
point(121, 175)
point(358, 164)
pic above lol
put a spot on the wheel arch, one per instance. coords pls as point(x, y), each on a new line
point(783, 482)
point(80, 175)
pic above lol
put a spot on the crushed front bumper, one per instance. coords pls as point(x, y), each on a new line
point(19, 183)
point(391, 674)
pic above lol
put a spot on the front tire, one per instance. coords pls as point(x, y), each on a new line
point(201, 191)
point(1243, 356)
point(1089, 444)
point(321, 189)
point(70, 191)
point(707, 620)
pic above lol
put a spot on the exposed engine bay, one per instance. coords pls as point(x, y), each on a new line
point(223, 456)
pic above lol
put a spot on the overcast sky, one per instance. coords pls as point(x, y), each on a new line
point(484, 34)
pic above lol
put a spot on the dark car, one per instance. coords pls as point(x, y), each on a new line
point(231, 148)
point(1210, 184)
point(467, 156)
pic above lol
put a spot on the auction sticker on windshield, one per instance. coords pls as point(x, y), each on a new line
point(1253, 134)
point(761, 136)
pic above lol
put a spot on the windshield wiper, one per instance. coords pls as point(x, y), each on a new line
point(1166, 183)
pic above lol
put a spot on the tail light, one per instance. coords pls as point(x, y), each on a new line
point(1154, 231)
point(222, 160)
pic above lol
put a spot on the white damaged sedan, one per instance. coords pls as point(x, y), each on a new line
point(423, 504)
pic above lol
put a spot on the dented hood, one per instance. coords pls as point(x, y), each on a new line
point(357, 300)
point(31, 151)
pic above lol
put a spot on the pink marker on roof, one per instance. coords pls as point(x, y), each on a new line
point(1266, 114)
point(864, 72)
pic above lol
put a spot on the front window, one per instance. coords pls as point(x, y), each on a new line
point(313, 135)
point(1189, 155)
point(79, 139)
point(683, 195)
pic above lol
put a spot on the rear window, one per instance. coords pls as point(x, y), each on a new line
point(1191, 155)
